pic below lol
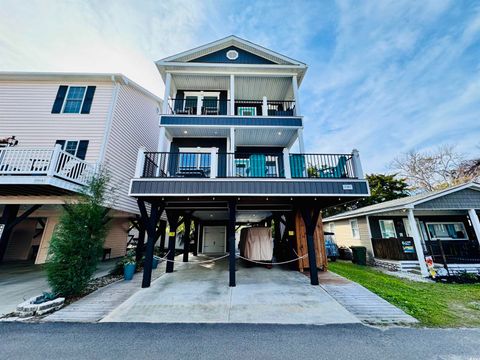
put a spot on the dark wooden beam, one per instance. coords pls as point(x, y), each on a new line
point(22, 217)
point(277, 235)
point(9, 214)
point(310, 217)
point(150, 223)
point(195, 237)
point(163, 235)
point(231, 242)
point(186, 237)
point(172, 217)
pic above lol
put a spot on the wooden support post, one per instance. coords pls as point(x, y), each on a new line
point(8, 217)
point(231, 241)
point(186, 237)
point(277, 239)
point(310, 217)
point(195, 240)
point(163, 234)
point(151, 227)
point(173, 224)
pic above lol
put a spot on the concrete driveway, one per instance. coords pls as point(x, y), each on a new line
point(20, 281)
point(200, 294)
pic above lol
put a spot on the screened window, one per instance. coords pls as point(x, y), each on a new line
point(387, 228)
point(355, 230)
point(447, 231)
point(71, 147)
point(73, 102)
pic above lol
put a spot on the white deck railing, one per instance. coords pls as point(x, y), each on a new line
point(52, 162)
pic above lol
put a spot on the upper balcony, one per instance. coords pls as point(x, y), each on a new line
point(255, 174)
point(234, 100)
point(54, 169)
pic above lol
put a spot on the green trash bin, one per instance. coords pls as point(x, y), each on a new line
point(359, 255)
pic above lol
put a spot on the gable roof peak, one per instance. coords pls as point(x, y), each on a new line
point(231, 40)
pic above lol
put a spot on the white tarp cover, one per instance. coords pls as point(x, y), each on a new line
point(256, 243)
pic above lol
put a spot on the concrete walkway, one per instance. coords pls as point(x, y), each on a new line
point(365, 305)
point(21, 280)
point(200, 294)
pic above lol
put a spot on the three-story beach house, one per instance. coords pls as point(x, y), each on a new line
point(230, 120)
point(55, 130)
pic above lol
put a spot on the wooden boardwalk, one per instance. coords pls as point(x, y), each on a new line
point(100, 303)
point(365, 305)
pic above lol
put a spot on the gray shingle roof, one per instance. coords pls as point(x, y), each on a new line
point(400, 203)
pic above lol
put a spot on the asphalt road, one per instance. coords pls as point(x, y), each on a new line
point(232, 341)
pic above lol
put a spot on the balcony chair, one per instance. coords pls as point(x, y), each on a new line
point(336, 172)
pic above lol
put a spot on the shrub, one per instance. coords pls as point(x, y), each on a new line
point(77, 242)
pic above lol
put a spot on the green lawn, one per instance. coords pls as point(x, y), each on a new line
point(433, 304)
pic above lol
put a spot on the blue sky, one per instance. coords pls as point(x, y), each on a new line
point(384, 76)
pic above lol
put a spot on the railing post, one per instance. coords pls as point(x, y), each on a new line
point(140, 162)
point(286, 164)
point(54, 160)
point(357, 165)
point(264, 106)
point(213, 163)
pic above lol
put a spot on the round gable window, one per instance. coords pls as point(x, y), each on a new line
point(232, 55)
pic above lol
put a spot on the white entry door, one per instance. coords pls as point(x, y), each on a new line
point(214, 238)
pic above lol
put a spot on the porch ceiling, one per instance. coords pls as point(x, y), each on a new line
point(241, 216)
point(244, 136)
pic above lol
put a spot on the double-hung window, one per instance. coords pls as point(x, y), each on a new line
point(77, 148)
point(387, 228)
point(73, 99)
point(447, 231)
point(355, 229)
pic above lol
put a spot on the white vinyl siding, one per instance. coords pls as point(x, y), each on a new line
point(135, 123)
point(25, 112)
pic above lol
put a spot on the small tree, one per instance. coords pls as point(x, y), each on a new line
point(77, 242)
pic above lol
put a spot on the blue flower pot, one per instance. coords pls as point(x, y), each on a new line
point(128, 271)
point(155, 262)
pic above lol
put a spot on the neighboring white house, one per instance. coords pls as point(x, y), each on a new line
point(64, 125)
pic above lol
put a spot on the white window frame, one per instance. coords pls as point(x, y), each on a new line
point(447, 223)
point(71, 140)
point(380, 226)
point(66, 98)
point(355, 229)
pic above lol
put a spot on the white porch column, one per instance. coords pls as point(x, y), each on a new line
point(264, 106)
point(166, 96)
point(472, 214)
point(417, 240)
point(232, 140)
point(200, 104)
point(295, 95)
point(232, 95)
point(52, 166)
point(286, 164)
point(161, 139)
point(301, 145)
point(357, 164)
point(140, 162)
point(213, 162)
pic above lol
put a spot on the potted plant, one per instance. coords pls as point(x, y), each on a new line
point(129, 265)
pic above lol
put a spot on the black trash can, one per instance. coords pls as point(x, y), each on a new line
point(359, 255)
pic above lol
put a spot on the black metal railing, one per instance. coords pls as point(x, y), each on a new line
point(177, 164)
point(336, 166)
point(251, 165)
point(186, 106)
point(215, 106)
point(281, 108)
